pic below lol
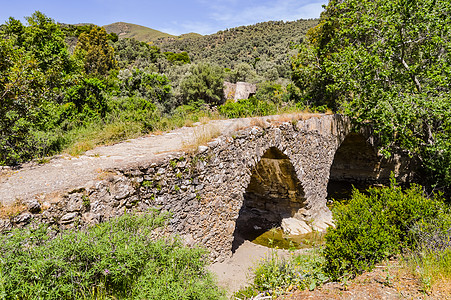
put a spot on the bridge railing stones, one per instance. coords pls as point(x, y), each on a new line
point(202, 191)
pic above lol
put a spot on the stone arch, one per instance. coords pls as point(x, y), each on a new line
point(355, 163)
point(274, 193)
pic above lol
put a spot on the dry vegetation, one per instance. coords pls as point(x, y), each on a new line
point(201, 136)
point(10, 211)
point(391, 280)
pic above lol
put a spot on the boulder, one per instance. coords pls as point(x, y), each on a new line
point(295, 227)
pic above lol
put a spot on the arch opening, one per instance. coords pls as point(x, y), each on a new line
point(355, 164)
point(273, 195)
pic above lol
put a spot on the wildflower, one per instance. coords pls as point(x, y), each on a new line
point(106, 271)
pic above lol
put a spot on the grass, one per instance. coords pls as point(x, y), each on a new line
point(86, 138)
point(433, 270)
point(275, 275)
point(431, 261)
point(201, 136)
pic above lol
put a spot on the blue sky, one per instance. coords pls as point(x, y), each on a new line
point(174, 17)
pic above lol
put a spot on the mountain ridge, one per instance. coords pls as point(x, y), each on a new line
point(138, 32)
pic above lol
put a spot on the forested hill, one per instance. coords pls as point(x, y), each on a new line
point(267, 41)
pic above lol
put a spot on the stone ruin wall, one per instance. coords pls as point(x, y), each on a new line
point(239, 90)
point(203, 191)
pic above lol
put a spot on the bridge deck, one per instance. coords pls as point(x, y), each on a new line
point(64, 172)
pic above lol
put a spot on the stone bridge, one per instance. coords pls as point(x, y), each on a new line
point(264, 175)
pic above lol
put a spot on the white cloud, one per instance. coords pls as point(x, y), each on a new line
point(286, 10)
point(219, 15)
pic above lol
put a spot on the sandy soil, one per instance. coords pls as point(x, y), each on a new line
point(236, 272)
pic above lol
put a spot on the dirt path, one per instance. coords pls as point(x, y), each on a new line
point(65, 172)
point(235, 273)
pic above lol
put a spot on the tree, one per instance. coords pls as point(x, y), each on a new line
point(96, 53)
point(13, 29)
point(44, 39)
point(242, 72)
point(153, 87)
point(133, 53)
point(386, 64)
point(181, 57)
point(22, 90)
point(206, 83)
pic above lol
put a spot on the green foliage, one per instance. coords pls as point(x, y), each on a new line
point(275, 275)
point(131, 53)
point(205, 83)
point(35, 67)
point(133, 110)
point(116, 259)
point(386, 64)
point(375, 226)
point(431, 260)
point(53, 101)
point(22, 91)
point(96, 53)
point(189, 113)
point(84, 101)
point(152, 86)
point(247, 108)
point(178, 57)
point(270, 91)
point(44, 39)
point(241, 72)
point(263, 46)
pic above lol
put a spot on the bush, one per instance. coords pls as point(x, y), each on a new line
point(116, 259)
point(375, 226)
point(133, 110)
point(275, 275)
point(206, 83)
point(247, 108)
point(85, 100)
point(153, 87)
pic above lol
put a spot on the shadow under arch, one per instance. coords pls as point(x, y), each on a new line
point(274, 192)
point(355, 163)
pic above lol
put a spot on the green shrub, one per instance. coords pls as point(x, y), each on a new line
point(116, 259)
point(153, 87)
point(133, 109)
point(182, 57)
point(205, 82)
point(275, 275)
point(375, 226)
point(247, 108)
point(85, 100)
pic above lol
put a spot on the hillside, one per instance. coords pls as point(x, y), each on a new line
point(267, 41)
point(140, 33)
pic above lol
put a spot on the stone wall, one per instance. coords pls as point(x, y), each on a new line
point(239, 90)
point(204, 191)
